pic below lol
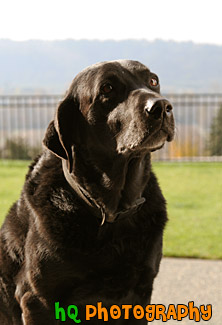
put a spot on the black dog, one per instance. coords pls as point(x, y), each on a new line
point(88, 225)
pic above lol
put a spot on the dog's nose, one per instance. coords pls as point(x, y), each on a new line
point(155, 107)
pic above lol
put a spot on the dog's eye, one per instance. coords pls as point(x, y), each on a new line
point(107, 88)
point(153, 82)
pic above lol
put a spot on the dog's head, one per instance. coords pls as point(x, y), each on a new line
point(112, 108)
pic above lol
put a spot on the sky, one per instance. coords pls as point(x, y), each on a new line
point(199, 21)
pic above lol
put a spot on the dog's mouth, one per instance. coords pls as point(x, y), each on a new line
point(158, 139)
point(151, 142)
point(169, 134)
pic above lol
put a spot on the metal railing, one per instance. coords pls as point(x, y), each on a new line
point(24, 119)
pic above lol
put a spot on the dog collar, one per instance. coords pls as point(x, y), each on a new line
point(92, 204)
point(131, 210)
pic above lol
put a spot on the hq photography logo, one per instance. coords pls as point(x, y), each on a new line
point(150, 312)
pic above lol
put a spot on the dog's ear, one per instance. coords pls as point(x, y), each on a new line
point(60, 134)
point(52, 142)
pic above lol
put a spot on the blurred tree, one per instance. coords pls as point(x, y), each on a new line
point(215, 141)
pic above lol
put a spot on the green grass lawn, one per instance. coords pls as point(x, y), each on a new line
point(194, 195)
point(12, 176)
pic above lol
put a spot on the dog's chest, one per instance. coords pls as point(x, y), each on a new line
point(113, 268)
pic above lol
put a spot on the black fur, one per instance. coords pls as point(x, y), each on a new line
point(52, 246)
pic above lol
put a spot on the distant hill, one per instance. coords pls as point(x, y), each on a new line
point(49, 66)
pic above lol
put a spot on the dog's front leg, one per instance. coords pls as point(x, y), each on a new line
point(34, 310)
